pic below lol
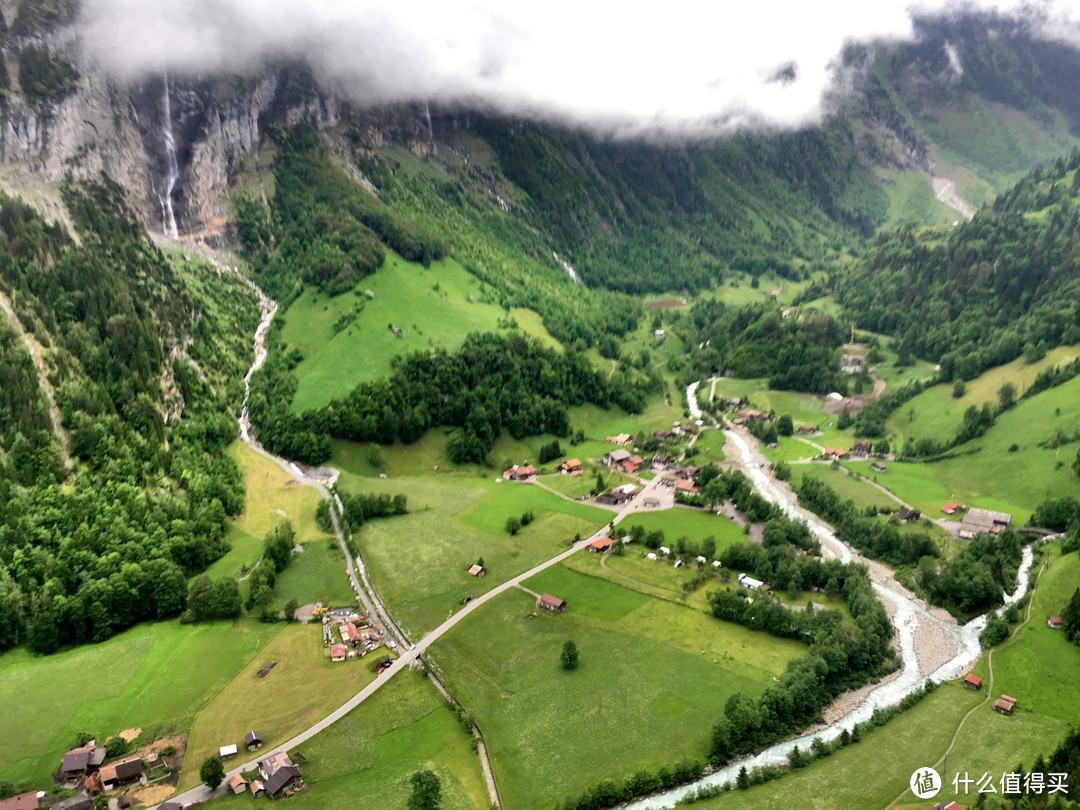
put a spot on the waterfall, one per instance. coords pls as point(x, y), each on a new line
point(172, 169)
point(427, 115)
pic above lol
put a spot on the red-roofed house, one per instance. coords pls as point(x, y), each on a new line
point(835, 452)
point(972, 681)
point(571, 465)
point(950, 508)
point(1055, 623)
point(338, 652)
point(683, 485)
point(602, 544)
point(552, 604)
point(237, 784)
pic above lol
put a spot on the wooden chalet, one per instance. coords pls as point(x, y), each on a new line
point(861, 447)
point(237, 784)
point(1005, 704)
point(600, 545)
point(253, 740)
point(878, 466)
point(571, 465)
point(1055, 623)
point(121, 772)
point(972, 681)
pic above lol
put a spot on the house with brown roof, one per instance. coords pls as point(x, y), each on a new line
point(660, 462)
point(520, 472)
point(571, 465)
point(687, 486)
point(602, 544)
point(622, 440)
point(951, 508)
point(24, 801)
point(972, 681)
point(1055, 623)
point(616, 497)
point(806, 430)
point(121, 772)
point(878, 466)
point(237, 784)
point(253, 740)
point(835, 453)
point(257, 788)
point(476, 570)
point(552, 604)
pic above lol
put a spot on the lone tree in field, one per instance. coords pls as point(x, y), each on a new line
point(1007, 396)
point(212, 772)
point(569, 655)
point(426, 791)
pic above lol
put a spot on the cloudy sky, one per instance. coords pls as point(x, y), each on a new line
point(677, 65)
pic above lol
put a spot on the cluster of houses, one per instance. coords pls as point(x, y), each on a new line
point(749, 414)
point(280, 777)
point(1003, 705)
point(357, 637)
point(83, 768)
point(622, 461)
point(978, 521)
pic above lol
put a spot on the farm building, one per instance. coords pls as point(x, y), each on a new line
point(807, 430)
point(571, 465)
point(271, 764)
point(750, 583)
point(616, 497)
point(253, 740)
point(337, 652)
point(227, 751)
point(615, 458)
point(972, 681)
point(476, 570)
point(282, 780)
point(983, 521)
point(552, 604)
point(951, 508)
point(878, 466)
point(835, 453)
point(660, 462)
point(621, 440)
point(24, 801)
point(601, 544)
point(129, 769)
point(1055, 623)
point(861, 447)
point(237, 784)
point(78, 761)
point(1005, 704)
point(632, 464)
point(908, 515)
point(257, 788)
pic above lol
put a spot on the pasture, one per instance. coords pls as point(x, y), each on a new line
point(847, 486)
point(653, 677)
point(303, 687)
point(695, 524)
point(367, 757)
point(143, 678)
point(316, 575)
point(346, 339)
point(418, 562)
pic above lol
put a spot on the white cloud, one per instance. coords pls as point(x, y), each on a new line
point(679, 65)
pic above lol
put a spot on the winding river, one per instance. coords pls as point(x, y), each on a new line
point(906, 614)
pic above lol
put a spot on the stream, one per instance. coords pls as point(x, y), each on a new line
point(906, 618)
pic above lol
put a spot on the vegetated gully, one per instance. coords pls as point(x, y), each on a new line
point(906, 615)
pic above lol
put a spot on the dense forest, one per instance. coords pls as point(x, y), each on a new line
point(800, 354)
point(493, 382)
point(145, 376)
point(999, 287)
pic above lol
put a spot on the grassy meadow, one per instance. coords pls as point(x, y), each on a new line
point(303, 687)
point(143, 678)
point(846, 486)
point(695, 524)
point(367, 757)
point(653, 676)
point(418, 562)
point(346, 339)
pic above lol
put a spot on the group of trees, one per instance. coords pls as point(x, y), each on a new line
point(277, 554)
point(841, 655)
point(493, 382)
point(146, 500)
point(996, 288)
point(798, 354)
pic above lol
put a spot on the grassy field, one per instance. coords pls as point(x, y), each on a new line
point(938, 416)
point(652, 678)
point(846, 486)
point(366, 758)
point(683, 522)
point(586, 483)
point(869, 774)
point(303, 687)
point(598, 424)
point(435, 308)
point(143, 678)
point(912, 200)
point(269, 500)
point(418, 562)
point(316, 575)
point(991, 475)
point(710, 446)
